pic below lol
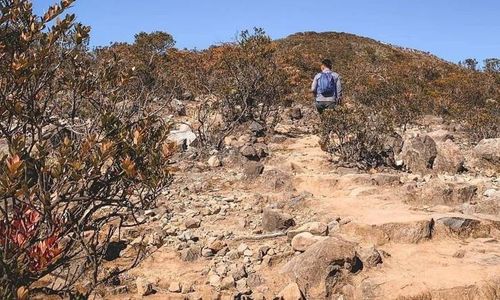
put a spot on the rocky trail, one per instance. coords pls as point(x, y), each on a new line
point(307, 229)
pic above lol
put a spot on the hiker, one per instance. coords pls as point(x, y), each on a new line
point(326, 87)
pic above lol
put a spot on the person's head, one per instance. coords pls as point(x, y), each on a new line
point(326, 64)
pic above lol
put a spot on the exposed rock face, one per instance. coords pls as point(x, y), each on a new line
point(302, 241)
point(320, 270)
point(438, 192)
point(275, 220)
point(419, 154)
point(487, 156)
point(449, 158)
point(461, 227)
point(291, 292)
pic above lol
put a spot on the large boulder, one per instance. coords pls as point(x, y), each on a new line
point(276, 220)
point(419, 153)
point(486, 156)
point(449, 158)
point(320, 270)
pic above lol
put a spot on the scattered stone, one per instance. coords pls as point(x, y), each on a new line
point(114, 250)
point(315, 228)
point(370, 257)
point(419, 154)
point(227, 283)
point(188, 96)
point(249, 152)
point(275, 220)
point(253, 169)
point(207, 252)
point(184, 136)
point(190, 254)
point(144, 287)
point(302, 241)
point(257, 129)
point(214, 161)
point(217, 246)
point(242, 248)
point(242, 286)
point(238, 272)
point(459, 254)
point(295, 113)
point(291, 292)
point(192, 223)
point(214, 280)
point(175, 287)
point(178, 107)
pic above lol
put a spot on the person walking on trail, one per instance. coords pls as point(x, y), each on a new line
point(326, 87)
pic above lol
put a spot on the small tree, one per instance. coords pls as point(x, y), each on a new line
point(79, 166)
point(248, 83)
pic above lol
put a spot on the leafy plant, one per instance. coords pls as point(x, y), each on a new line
point(80, 165)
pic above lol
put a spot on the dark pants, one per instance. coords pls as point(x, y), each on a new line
point(321, 106)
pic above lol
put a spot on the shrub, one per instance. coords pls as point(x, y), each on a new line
point(357, 135)
point(79, 166)
point(246, 82)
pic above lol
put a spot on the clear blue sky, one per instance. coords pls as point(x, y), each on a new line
point(451, 29)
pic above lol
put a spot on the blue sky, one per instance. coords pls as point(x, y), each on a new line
point(451, 29)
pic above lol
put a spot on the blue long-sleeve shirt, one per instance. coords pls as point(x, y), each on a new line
point(320, 98)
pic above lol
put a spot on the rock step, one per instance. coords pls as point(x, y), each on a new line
point(447, 269)
point(416, 231)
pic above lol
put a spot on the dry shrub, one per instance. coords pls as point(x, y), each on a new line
point(358, 135)
point(80, 165)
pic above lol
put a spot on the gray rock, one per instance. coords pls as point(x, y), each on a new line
point(257, 129)
point(144, 287)
point(487, 156)
point(419, 153)
point(449, 158)
point(192, 223)
point(183, 136)
point(227, 283)
point(275, 220)
point(295, 113)
point(214, 161)
point(321, 267)
point(249, 152)
point(370, 257)
point(190, 254)
point(175, 287)
point(253, 169)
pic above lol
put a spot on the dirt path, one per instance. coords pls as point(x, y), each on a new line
point(424, 258)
